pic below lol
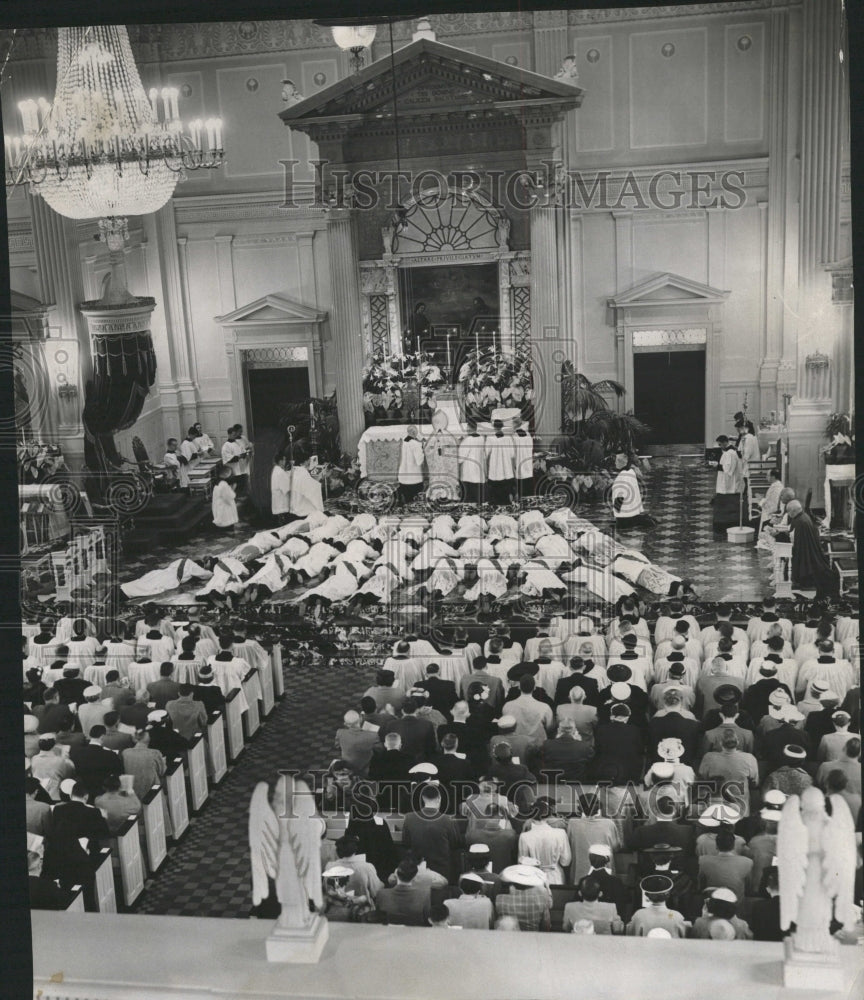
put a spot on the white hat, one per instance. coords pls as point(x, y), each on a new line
point(157, 715)
point(92, 691)
point(472, 877)
point(479, 849)
point(829, 696)
point(789, 713)
point(662, 769)
point(603, 849)
point(720, 812)
point(424, 768)
point(66, 786)
point(620, 691)
point(794, 752)
point(658, 932)
point(774, 798)
point(507, 722)
point(727, 895)
point(338, 871)
point(523, 875)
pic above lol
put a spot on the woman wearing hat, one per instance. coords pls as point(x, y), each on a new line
point(547, 845)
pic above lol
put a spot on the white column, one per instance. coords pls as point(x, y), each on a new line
point(345, 325)
point(55, 241)
point(547, 344)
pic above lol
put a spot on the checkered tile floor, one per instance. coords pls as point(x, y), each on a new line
point(207, 873)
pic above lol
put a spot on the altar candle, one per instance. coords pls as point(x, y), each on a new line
point(477, 345)
point(448, 348)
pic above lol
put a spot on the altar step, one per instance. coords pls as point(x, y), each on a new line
point(166, 517)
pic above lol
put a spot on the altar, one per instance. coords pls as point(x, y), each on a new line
point(379, 447)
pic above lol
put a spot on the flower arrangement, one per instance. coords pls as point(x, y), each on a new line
point(398, 387)
point(490, 379)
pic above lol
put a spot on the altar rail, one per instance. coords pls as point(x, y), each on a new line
point(144, 957)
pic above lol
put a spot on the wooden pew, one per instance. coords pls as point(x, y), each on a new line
point(251, 689)
point(265, 678)
point(234, 724)
point(103, 885)
point(131, 861)
point(178, 807)
point(276, 664)
point(197, 772)
point(154, 827)
point(217, 763)
point(76, 904)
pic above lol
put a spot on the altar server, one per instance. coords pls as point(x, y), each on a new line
point(472, 465)
point(500, 457)
point(411, 461)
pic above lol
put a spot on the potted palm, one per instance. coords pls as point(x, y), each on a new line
point(841, 447)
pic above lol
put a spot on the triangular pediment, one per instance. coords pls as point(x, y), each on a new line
point(276, 307)
point(668, 289)
point(430, 76)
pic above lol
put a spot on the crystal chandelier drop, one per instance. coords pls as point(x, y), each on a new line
point(106, 149)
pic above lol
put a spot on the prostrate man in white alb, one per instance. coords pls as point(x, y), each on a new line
point(627, 497)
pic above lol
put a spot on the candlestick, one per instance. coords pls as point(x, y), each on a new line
point(211, 133)
point(477, 345)
point(448, 349)
point(217, 125)
point(153, 95)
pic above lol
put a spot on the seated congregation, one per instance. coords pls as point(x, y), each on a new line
point(627, 782)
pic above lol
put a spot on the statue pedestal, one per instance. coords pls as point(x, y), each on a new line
point(298, 944)
point(812, 970)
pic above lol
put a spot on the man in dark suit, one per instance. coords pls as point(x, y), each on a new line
point(407, 902)
point(164, 737)
point(619, 748)
point(390, 767)
point(418, 735)
point(207, 692)
point(566, 756)
point(53, 716)
point(433, 834)
point(455, 773)
point(72, 821)
point(166, 688)
point(442, 694)
point(576, 678)
point(673, 721)
point(664, 828)
point(612, 889)
point(71, 686)
point(93, 763)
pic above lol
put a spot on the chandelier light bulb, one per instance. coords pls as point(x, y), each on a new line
point(80, 151)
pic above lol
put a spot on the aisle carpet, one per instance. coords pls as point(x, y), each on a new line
point(207, 872)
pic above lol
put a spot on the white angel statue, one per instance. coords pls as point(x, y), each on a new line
point(816, 861)
point(285, 845)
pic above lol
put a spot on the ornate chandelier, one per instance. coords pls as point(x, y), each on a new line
point(105, 149)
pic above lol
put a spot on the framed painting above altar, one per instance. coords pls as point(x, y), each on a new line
point(459, 299)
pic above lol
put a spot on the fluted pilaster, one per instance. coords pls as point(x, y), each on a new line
point(547, 340)
point(345, 325)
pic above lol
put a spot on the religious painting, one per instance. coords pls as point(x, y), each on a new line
point(460, 298)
